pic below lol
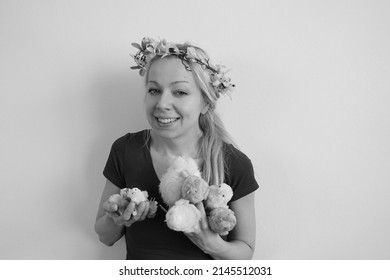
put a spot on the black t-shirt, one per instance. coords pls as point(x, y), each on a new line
point(130, 165)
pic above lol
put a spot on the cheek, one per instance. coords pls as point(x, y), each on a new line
point(148, 104)
point(192, 106)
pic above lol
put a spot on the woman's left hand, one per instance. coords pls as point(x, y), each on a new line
point(204, 237)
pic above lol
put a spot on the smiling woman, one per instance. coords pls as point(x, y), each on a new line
point(173, 101)
point(182, 88)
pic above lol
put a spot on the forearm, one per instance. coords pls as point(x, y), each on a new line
point(108, 231)
point(230, 250)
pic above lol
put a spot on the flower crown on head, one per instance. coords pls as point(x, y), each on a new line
point(150, 48)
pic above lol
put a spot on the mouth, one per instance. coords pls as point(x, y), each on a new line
point(166, 120)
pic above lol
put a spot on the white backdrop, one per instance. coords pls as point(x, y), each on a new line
point(311, 110)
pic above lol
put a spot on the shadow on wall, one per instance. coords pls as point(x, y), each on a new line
point(118, 106)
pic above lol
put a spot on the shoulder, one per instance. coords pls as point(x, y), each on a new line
point(131, 139)
point(239, 172)
point(235, 159)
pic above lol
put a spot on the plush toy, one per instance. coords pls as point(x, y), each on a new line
point(221, 220)
point(127, 195)
point(172, 181)
point(218, 196)
point(182, 186)
point(194, 189)
point(183, 216)
point(134, 195)
point(120, 203)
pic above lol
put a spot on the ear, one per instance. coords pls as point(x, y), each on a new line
point(205, 109)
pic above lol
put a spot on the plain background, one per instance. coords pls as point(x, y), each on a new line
point(311, 109)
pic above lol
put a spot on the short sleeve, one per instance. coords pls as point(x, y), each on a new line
point(239, 174)
point(113, 170)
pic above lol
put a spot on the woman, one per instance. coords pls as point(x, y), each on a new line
point(182, 89)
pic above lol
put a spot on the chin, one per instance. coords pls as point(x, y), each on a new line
point(165, 133)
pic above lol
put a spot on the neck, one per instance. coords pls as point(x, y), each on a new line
point(185, 147)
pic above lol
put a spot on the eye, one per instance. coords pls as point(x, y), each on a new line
point(181, 93)
point(153, 91)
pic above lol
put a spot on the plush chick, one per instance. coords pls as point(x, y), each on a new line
point(134, 195)
point(218, 196)
point(120, 202)
point(172, 181)
point(183, 216)
point(221, 220)
point(194, 189)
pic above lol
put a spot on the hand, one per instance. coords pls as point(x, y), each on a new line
point(130, 215)
point(204, 237)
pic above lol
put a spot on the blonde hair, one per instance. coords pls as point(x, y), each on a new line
point(214, 134)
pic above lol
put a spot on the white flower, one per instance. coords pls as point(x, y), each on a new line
point(147, 41)
point(191, 54)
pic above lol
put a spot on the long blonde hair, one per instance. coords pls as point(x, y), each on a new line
point(214, 135)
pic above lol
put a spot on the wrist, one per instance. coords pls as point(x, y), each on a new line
point(216, 246)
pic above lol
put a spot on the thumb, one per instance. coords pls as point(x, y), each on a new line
point(110, 207)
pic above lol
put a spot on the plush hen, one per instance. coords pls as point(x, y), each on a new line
point(221, 220)
point(194, 189)
point(172, 181)
point(183, 216)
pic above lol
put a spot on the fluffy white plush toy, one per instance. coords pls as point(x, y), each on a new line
point(128, 195)
point(134, 195)
point(120, 202)
point(183, 216)
point(171, 182)
point(219, 196)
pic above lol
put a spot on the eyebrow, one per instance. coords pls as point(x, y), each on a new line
point(175, 82)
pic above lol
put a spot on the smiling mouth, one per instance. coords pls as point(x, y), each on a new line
point(166, 120)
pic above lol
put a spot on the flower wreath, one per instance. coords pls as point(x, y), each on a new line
point(150, 48)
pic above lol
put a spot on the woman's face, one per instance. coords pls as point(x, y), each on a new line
point(173, 100)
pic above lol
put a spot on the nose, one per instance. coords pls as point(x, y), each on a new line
point(164, 101)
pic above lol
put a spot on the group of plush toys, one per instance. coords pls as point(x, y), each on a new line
point(182, 187)
point(127, 195)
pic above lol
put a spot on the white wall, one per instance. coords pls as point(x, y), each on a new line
point(310, 110)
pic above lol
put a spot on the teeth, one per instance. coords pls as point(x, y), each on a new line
point(166, 120)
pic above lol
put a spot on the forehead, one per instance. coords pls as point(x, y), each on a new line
point(169, 69)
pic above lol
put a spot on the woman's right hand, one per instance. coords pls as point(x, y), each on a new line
point(127, 218)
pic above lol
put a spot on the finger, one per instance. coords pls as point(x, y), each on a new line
point(203, 219)
point(145, 212)
point(200, 207)
point(128, 211)
point(128, 223)
point(112, 214)
point(140, 210)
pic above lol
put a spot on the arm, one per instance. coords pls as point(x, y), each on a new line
point(109, 225)
point(242, 238)
point(109, 232)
